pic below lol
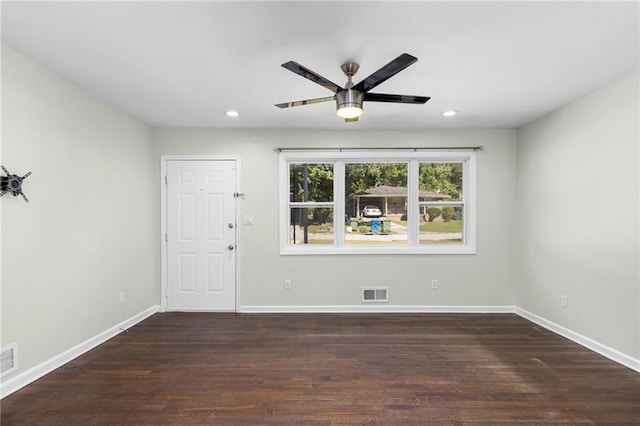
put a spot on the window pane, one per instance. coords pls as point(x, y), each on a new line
point(311, 182)
point(311, 226)
point(440, 225)
point(440, 181)
point(376, 203)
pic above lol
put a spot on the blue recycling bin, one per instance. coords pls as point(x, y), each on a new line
point(375, 226)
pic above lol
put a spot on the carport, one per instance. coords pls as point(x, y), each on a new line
point(392, 200)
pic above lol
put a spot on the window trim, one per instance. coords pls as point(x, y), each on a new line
point(413, 159)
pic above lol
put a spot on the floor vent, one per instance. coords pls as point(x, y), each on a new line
point(375, 294)
point(8, 359)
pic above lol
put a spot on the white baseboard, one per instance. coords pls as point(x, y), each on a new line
point(588, 343)
point(20, 380)
point(374, 308)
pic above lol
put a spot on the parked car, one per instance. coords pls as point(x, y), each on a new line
point(371, 211)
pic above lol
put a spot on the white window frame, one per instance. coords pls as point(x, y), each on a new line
point(413, 159)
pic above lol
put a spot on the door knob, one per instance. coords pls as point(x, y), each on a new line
point(230, 226)
point(231, 247)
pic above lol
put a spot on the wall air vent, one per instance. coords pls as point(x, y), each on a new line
point(8, 359)
point(375, 294)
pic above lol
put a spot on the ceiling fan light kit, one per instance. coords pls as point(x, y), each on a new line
point(349, 103)
point(350, 98)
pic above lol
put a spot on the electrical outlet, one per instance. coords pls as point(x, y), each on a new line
point(287, 285)
point(563, 301)
point(121, 298)
point(434, 284)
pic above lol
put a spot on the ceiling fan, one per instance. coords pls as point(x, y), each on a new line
point(349, 99)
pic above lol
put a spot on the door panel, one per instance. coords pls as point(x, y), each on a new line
point(215, 281)
point(200, 243)
point(187, 217)
point(187, 275)
point(215, 217)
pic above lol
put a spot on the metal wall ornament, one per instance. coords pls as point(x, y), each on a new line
point(13, 184)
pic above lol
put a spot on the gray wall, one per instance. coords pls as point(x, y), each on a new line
point(578, 236)
point(90, 230)
point(484, 279)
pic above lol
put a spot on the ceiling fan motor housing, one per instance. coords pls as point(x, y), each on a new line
point(349, 98)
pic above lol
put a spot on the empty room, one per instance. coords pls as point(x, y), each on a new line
point(320, 212)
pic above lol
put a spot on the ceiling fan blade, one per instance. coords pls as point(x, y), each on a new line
point(386, 72)
point(310, 75)
point(306, 102)
point(403, 99)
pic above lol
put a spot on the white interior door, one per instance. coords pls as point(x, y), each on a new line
point(201, 235)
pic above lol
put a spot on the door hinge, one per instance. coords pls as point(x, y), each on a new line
point(166, 180)
point(166, 237)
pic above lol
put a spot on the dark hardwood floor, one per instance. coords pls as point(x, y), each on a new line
point(321, 369)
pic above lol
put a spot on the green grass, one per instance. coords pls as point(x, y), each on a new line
point(321, 229)
point(365, 242)
point(442, 227)
point(458, 241)
point(320, 242)
point(359, 242)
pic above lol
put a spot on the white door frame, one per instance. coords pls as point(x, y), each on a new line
point(163, 221)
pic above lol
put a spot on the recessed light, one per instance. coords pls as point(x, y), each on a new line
point(450, 113)
point(232, 113)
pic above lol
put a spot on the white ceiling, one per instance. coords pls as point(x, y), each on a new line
point(501, 64)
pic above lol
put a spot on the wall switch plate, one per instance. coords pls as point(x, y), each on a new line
point(121, 298)
point(287, 285)
point(248, 220)
point(434, 284)
point(563, 301)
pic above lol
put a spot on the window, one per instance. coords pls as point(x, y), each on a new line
point(440, 202)
point(311, 206)
point(377, 202)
